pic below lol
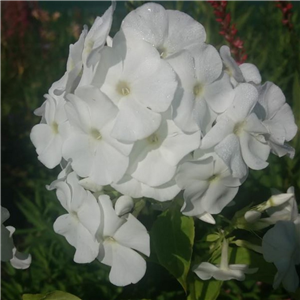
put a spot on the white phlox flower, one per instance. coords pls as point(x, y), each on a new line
point(96, 37)
point(168, 31)
point(238, 136)
point(154, 159)
point(205, 91)
point(84, 54)
point(277, 117)
point(139, 83)
point(208, 186)
point(48, 136)
point(224, 271)
point(281, 246)
point(120, 239)
point(8, 250)
point(238, 74)
point(80, 224)
point(72, 76)
point(94, 152)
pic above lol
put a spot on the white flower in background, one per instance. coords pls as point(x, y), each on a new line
point(281, 246)
point(19, 260)
point(136, 189)
point(169, 31)
point(7, 243)
point(277, 117)
point(208, 186)
point(8, 250)
point(224, 271)
point(154, 160)
point(205, 90)
point(140, 84)
point(280, 207)
point(94, 153)
point(237, 137)
point(238, 74)
point(48, 137)
point(80, 224)
point(119, 239)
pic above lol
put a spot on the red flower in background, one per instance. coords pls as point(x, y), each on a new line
point(16, 17)
point(286, 7)
point(229, 31)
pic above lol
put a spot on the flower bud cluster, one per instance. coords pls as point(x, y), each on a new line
point(150, 112)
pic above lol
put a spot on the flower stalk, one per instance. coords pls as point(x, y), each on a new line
point(229, 31)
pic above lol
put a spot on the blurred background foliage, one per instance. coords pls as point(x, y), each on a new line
point(34, 50)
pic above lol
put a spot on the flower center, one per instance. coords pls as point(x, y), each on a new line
point(152, 139)
point(123, 88)
point(109, 239)
point(162, 52)
point(213, 178)
point(54, 127)
point(238, 128)
point(95, 133)
point(198, 89)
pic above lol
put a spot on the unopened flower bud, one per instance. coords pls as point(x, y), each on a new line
point(124, 205)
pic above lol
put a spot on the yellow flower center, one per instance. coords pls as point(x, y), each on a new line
point(123, 88)
point(95, 133)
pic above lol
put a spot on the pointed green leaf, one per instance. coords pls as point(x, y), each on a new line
point(173, 238)
point(56, 295)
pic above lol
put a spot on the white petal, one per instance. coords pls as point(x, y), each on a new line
point(205, 270)
point(250, 73)
point(208, 63)
point(128, 186)
point(206, 217)
point(133, 234)
point(177, 144)
point(218, 133)
point(219, 94)
point(124, 205)
point(127, 267)
point(20, 260)
point(7, 244)
point(162, 193)
point(231, 65)
point(134, 121)
point(229, 151)
point(254, 152)
point(4, 214)
point(111, 221)
point(246, 96)
point(184, 31)
point(147, 22)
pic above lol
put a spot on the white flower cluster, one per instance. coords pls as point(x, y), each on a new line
point(8, 250)
point(148, 113)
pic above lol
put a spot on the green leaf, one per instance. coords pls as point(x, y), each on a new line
point(204, 290)
point(56, 295)
point(266, 271)
point(173, 237)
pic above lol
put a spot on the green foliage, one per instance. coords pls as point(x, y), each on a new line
point(203, 290)
point(56, 295)
point(173, 237)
